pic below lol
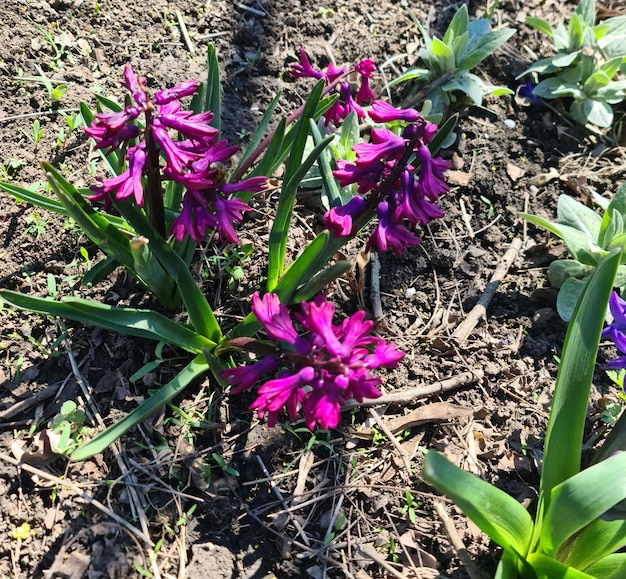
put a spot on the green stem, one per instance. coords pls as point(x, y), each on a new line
point(153, 174)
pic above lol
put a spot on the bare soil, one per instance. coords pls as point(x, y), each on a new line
point(285, 503)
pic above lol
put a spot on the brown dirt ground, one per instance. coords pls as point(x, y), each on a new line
point(239, 526)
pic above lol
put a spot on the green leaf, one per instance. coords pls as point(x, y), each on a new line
point(592, 111)
point(208, 97)
point(444, 56)
point(198, 309)
point(151, 272)
point(492, 510)
point(577, 242)
point(95, 225)
point(548, 568)
point(595, 82)
point(597, 540)
point(581, 499)
point(100, 442)
point(23, 194)
point(616, 440)
point(586, 11)
point(562, 269)
point(554, 87)
point(260, 131)
point(458, 25)
point(486, 45)
point(568, 297)
point(575, 33)
point(99, 271)
point(294, 172)
point(469, 84)
point(412, 73)
point(273, 156)
point(332, 194)
point(610, 567)
point(571, 393)
point(141, 323)
point(321, 281)
point(574, 214)
point(539, 24)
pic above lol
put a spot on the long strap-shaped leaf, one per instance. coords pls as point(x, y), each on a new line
point(581, 499)
point(96, 226)
point(548, 568)
point(571, 392)
point(492, 510)
point(596, 541)
point(200, 313)
point(134, 322)
point(280, 227)
point(195, 368)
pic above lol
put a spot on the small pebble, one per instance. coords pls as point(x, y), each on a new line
point(509, 123)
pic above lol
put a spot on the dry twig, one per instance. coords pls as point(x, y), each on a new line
point(480, 309)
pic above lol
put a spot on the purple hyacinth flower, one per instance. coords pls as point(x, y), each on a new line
point(133, 185)
point(385, 145)
point(383, 112)
point(431, 178)
point(177, 159)
point(183, 89)
point(283, 392)
point(330, 365)
point(303, 69)
point(339, 219)
point(135, 86)
point(247, 376)
point(227, 211)
point(274, 317)
point(194, 127)
point(391, 235)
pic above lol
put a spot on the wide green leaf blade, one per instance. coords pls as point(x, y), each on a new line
point(539, 24)
point(571, 393)
point(597, 540)
point(547, 568)
point(581, 499)
point(260, 131)
point(100, 442)
point(198, 309)
point(280, 227)
point(610, 567)
point(95, 225)
point(141, 323)
point(23, 194)
point(571, 212)
point(492, 510)
point(486, 45)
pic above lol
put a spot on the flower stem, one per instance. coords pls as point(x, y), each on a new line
point(156, 210)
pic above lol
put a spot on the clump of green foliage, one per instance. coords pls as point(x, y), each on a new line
point(446, 63)
point(588, 66)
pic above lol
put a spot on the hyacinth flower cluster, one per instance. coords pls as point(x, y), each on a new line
point(334, 78)
point(315, 372)
point(196, 159)
point(616, 331)
point(396, 174)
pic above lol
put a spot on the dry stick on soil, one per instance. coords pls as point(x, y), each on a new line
point(456, 541)
point(480, 309)
point(390, 435)
point(377, 308)
point(413, 394)
point(283, 502)
point(64, 483)
point(183, 31)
